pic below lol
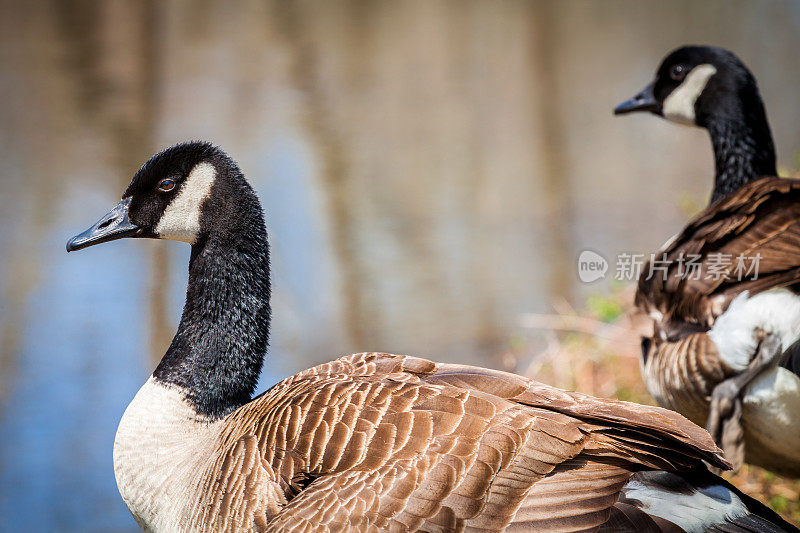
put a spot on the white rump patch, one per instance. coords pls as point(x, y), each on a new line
point(181, 218)
point(734, 332)
point(772, 420)
point(777, 393)
point(679, 105)
point(693, 512)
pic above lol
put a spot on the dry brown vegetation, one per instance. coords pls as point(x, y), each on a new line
point(596, 350)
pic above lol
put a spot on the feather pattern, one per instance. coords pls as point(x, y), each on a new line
point(681, 363)
point(385, 442)
point(761, 219)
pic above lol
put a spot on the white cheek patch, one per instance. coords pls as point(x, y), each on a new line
point(679, 105)
point(181, 218)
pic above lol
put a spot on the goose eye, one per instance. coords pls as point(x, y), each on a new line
point(166, 185)
point(677, 72)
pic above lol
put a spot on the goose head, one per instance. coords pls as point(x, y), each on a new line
point(697, 85)
point(170, 197)
point(193, 192)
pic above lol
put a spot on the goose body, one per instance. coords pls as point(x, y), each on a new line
point(371, 441)
point(430, 446)
point(711, 323)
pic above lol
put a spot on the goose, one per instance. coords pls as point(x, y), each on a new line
point(724, 351)
point(370, 441)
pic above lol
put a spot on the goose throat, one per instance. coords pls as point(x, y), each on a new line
point(221, 341)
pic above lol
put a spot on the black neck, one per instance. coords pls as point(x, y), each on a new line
point(743, 150)
point(217, 353)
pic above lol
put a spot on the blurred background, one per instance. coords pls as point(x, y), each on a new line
point(430, 172)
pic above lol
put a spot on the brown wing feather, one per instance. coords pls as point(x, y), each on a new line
point(682, 374)
point(664, 426)
point(241, 494)
point(384, 442)
point(760, 219)
point(626, 518)
point(578, 495)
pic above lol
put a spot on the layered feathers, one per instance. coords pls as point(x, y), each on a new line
point(760, 223)
point(377, 442)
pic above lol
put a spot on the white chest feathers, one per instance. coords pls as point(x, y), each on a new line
point(160, 450)
point(735, 331)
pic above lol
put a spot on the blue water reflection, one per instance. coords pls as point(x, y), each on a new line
point(398, 149)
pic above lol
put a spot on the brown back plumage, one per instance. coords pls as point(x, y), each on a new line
point(682, 366)
point(760, 219)
point(378, 441)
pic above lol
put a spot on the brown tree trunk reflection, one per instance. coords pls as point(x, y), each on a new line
point(335, 170)
point(544, 18)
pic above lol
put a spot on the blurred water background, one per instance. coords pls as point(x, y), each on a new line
point(430, 171)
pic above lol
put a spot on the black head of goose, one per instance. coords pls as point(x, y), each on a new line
point(194, 193)
point(711, 88)
point(723, 295)
point(370, 441)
